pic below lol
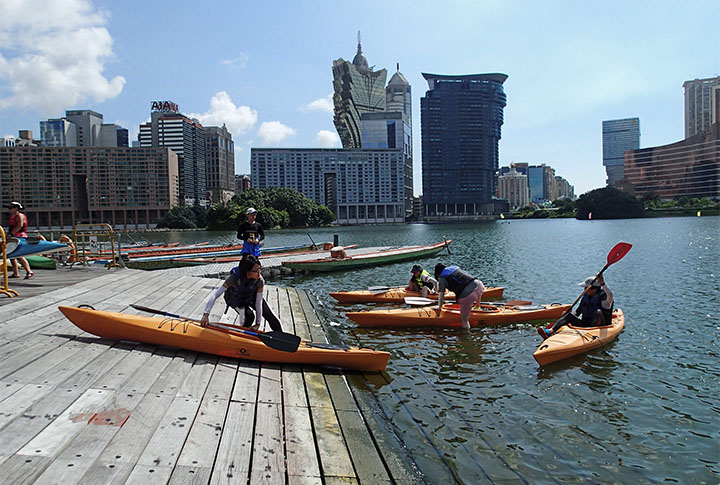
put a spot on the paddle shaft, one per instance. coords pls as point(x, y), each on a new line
point(286, 342)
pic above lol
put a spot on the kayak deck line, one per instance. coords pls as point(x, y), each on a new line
point(173, 414)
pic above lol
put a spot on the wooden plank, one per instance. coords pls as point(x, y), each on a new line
point(118, 458)
point(302, 460)
point(222, 380)
point(198, 378)
point(268, 464)
point(317, 391)
point(317, 334)
point(269, 390)
point(334, 456)
point(65, 427)
point(23, 469)
point(89, 375)
point(246, 382)
point(145, 377)
point(133, 360)
point(166, 443)
point(18, 402)
point(190, 475)
point(293, 387)
point(7, 389)
point(367, 461)
point(143, 474)
point(232, 464)
point(204, 437)
point(174, 374)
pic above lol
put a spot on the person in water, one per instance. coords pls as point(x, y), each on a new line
point(595, 309)
point(251, 233)
point(421, 281)
point(468, 289)
point(243, 292)
point(18, 229)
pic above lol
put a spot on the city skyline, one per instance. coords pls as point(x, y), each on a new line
point(266, 72)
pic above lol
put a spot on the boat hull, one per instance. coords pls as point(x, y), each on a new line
point(398, 295)
point(367, 259)
point(570, 341)
point(190, 335)
point(20, 247)
point(449, 316)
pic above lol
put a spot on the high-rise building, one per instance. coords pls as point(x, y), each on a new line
point(242, 183)
point(564, 189)
point(398, 95)
point(541, 183)
point(186, 137)
point(461, 117)
point(357, 90)
point(618, 136)
point(702, 104)
point(513, 186)
point(360, 186)
point(63, 186)
point(220, 163)
point(689, 168)
point(82, 128)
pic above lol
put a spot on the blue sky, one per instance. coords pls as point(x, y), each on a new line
point(264, 68)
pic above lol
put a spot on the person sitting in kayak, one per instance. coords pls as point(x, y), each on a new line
point(251, 233)
point(468, 289)
point(595, 308)
point(421, 281)
point(243, 292)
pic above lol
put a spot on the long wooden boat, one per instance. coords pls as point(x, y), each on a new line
point(189, 335)
point(234, 259)
point(19, 247)
point(386, 256)
point(449, 315)
point(570, 340)
point(398, 295)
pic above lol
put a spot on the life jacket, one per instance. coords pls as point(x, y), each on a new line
point(241, 294)
point(589, 305)
point(457, 279)
point(419, 279)
point(22, 230)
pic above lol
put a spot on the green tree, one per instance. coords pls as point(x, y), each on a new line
point(608, 203)
point(179, 218)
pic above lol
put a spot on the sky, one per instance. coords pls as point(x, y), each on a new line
point(265, 68)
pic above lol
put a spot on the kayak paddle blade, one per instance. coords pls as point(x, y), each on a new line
point(618, 252)
point(285, 342)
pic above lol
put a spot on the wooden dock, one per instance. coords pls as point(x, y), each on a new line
point(75, 408)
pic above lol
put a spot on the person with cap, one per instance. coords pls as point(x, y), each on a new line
point(468, 289)
point(18, 229)
point(421, 281)
point(251, 233)
point(243, 292)
point(595, 309)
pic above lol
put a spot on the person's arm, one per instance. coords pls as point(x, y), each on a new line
point(432, 283)
point(261, 233)
point(259, 308)
point(607, 302)
point(242, 231)
point(211, 301)
point(441, 292)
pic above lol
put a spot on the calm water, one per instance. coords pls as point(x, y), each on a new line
point(474, 406)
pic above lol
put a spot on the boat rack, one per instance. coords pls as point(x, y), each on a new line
point(93, 235)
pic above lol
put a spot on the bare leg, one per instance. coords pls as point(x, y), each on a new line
point(25, 265)
point(15, 268)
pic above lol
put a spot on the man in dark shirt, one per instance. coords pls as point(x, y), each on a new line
point(251, 233)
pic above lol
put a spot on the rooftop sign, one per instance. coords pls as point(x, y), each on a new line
point(164, 106)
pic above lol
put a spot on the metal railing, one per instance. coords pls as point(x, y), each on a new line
point(94, 235)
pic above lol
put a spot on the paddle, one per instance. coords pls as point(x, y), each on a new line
point(379, 289)
point(285, 342)
point(447, 245)
point(615, 255)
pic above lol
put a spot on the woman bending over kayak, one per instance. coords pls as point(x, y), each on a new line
point(468, 289)
point(243, 292)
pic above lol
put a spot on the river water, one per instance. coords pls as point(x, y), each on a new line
point(474, 407)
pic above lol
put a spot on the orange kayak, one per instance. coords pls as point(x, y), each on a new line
point(449, 315)
point(189, 335)
point(570, 340)
point(398, 294)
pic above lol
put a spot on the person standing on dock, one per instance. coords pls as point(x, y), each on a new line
point(421, 281)
point(243, 292)
point(468, 289)
point(18, 229)
point(251, 233)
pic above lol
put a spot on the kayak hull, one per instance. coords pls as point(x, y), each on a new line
point(189, 335)
point(367, 259)
point(398, 295)
point(570, 340)
point(20, 247)
point(449, 316)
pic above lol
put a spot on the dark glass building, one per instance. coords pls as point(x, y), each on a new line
point(461, 118)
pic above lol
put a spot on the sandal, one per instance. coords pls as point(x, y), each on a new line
point(28, 276)
point(14, 276)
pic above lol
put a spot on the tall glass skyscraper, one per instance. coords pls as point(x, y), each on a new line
point(618, 136)
point(461, 117)
point(358, 89)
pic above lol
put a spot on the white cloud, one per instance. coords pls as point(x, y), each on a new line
point(238, 62)
point(322, 104)
point(238, 119)
point(273, 132)
point(327, 139)
point(52, 55)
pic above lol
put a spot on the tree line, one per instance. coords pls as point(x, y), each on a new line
point(277, 208)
